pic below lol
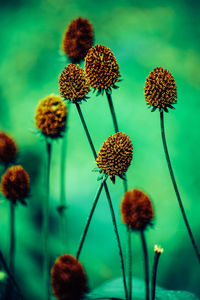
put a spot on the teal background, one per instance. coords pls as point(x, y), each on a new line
point(142, 35)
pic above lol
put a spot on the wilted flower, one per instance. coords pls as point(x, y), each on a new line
point(160, 89)
point(8, 149)
point(68, 278)
point(50, 116)
point(115, 155)
point(73, 83)
point(101, 68)
point(136, 210)
point(15, 184)
point(78, 39)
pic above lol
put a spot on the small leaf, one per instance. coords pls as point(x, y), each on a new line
point(100, 177)
point(153, 109)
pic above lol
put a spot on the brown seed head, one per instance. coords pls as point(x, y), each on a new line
point(8, 149)
point(115, 155)
point(73, 83)
point(78, 39)
point(50, 116)
point(15, 184)
point(101, 68)
point(136, 210)
point(68, 278)
point(160, 89)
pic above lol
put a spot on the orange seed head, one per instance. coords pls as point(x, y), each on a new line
point(8, 149)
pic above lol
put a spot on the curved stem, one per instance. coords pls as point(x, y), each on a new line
point(129, 261)
point(12, 238)
point(90, 218)
point(146, 263)
point(154, 273)
point(176, 187)
point(117, 237)
point(46, 226)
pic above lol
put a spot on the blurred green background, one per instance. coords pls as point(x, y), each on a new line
point(143, 35)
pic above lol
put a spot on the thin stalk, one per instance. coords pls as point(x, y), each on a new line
point(146, 263)
point(90, 218)
point(176, 187)
point(154, 274)
point(129, 262)
point(12, 238)
point(108, 197)
point(46, 226)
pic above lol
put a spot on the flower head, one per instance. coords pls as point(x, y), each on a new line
point(136, 210)
point(8, 149)
point(101, 68)
point(68, 278)
point(160, 89)
point(115, 155)
point(15, 184)
point(73, 83)
point(158, 249)
point(78, 39)
point(50, 116)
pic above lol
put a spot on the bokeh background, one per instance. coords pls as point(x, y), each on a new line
point(143, 35)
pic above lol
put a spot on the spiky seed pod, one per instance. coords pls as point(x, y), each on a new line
point(68, 278)
point(50, 116)
point(78, 39)
point(115, 155)
point(8, 149)
point(136, 210)
point(160, 89)
point(73, 83)
point(15, 184)
point(101, 68)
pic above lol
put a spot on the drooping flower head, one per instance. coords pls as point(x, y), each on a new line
point(68, 278)
point(8, 149)
point(78, 39)
point(136, 210)
point(160, 89)
point(73, 83)
point(115, 155)
point(101, 68)
point(50, 116)
point(15, 184)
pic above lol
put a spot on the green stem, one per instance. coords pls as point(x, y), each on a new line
point(12, 238)
point(146, 263)
point(90, 218)
point(108, 197)
point(176, 187)
point(129, 261)
point(46, 226)
point(154, 273)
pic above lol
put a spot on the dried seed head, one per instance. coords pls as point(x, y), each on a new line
point(8, 149)
point(50, 116)
point(136, 210)
point(78, 39)
point(160, 89)
point(73, 83)
point(68, 278)
point(15, 184)
point(101, 68)
point(115, 155)
point(158, 249)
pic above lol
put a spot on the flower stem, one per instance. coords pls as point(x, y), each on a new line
point(129, 261)
point(108, 197)
point(12, 238)
point(46, 225)
point(146, 263)
point(176, 187)
point(154, 273)
point(90, 217)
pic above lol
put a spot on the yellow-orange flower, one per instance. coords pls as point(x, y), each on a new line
point(73, 83)
point(115, 155)
point(78, 39)
point(101, 68)
point(50, 116)
point(15, 184)
point(68, 278)
point(8, 148)
point(136, 210)
point(160, 89)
